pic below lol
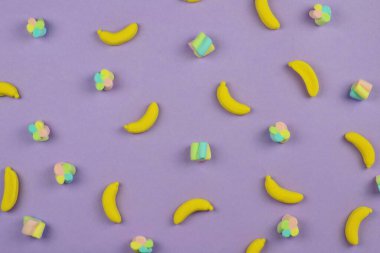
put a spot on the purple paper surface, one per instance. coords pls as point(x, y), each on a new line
point(54, 75)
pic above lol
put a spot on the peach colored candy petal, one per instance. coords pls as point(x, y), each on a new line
point(58, 169)
point(29, 227)
point(292, 223)
point(31, 21)
point(315, 14)
point(43, 133)
point(140, 239)
point(281, 126)
point(366, 85)
point(107, 82)
point(286, 217)
point(47, 129)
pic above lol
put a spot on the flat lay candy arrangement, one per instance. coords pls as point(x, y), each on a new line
point(144, 179)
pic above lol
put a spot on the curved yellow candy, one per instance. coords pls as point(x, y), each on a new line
point(353, 224)
point(11, 188)
point(109, 202)
point(266, 15)
point(146, 121)
point(189, 207)
point(192, 1)
point(308, 76)
point(256, 245)
point(228, 102)
point(364, 146)
point(8, 90)
point(120, 37)
point(281, 194)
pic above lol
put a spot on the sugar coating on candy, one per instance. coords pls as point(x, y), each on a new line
point(39, 131)
point(141, 244)
point(200, 151)
point(64, 172)
point(104, 80)
point(33, 227)
point(321, 14)
point(202, 45)
point(279, 132)
point(360, 90)
point(36, 27)
point(288, 226)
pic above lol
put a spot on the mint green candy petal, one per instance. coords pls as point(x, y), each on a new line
point(99, 86)
point(40, 24)
point(273, 130)
point(149, 243)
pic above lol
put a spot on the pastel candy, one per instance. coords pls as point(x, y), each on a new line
point(58, 169)
point(64, 172)
point(200, 151)
point(315, 14)
point(149, 243)
point(360, 90)
point(39, 124)
point(202, 45)
point(141, 244)
point(279, 132)
point(378, 182)
point(32, 128)
point(285, 233)
point(60, 179)
point(32, 21)
point(33, 227)
point(36, 28)
point(288, 226)
point(29, 227)
point(326, 9)
point(104, 80)
point(318, 7)
point(39, 131)
point(99, 86)
point(321, 14)
point(294, 232)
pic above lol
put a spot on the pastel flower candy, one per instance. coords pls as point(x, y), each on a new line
point(36, 28)
point(202, 45)
point(33, 227)
point(104, 80)
point(288, 226)
point(321, 14)
point(141, 244)
point(64, 172)
point(360, 90)
point(279, 132)
point(200, 151)
point(39, 131)
point(378, 182)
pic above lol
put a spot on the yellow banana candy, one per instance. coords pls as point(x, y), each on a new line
point(189, 207)
point(353, 224)
point(146, 121)
point(228, 102)
point(8, 90)
point(364, 146)
point(266, 15)
point(256, 245)
point(109, 202)
point(120, 37)
point(11, 189)
point(308, 76)
point(281, 194)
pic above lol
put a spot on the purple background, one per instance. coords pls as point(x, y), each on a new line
point(54, 75)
